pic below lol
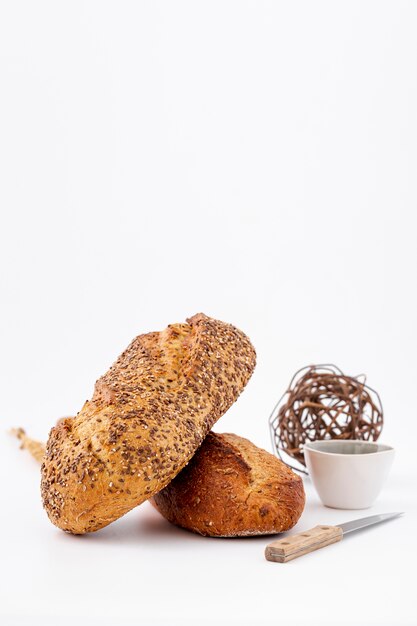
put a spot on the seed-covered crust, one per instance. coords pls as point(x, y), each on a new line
point(148, 415)
point(232, 488)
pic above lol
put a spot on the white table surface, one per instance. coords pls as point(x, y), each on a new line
point(142, 570)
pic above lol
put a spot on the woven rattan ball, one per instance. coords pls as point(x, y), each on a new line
point(323, 403)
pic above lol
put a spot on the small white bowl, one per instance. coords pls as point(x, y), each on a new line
point(348, 474)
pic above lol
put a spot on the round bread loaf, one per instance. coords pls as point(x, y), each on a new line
point(232, 488)
point(148, 415)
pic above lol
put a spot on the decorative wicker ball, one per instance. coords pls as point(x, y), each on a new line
point(323, 403)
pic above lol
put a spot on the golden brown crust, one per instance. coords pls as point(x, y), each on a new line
point(148, 415)
point(232, 488)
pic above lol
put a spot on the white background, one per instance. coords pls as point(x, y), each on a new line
point(252, 160)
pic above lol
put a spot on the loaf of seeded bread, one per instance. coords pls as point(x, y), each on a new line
point(148, 415)
point(231, 488)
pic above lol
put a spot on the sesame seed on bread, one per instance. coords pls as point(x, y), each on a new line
point(148, 415)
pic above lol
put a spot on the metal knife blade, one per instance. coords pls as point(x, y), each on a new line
point(363, 522)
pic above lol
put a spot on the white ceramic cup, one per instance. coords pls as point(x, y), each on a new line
point(348, 474)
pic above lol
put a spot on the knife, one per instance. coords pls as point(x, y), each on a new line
point(290, 548)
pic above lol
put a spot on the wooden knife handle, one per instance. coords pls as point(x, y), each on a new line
point(292, 547)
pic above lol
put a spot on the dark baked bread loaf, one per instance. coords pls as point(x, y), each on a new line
point(147, 417)
point(231, 488)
